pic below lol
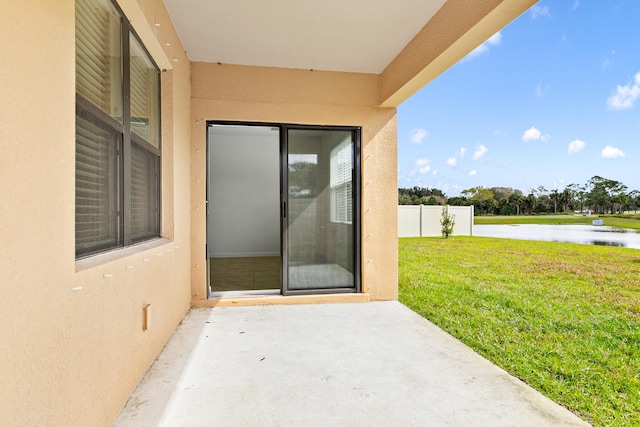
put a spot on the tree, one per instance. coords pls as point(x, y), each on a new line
point(620, 200)
point(303, 179)
point(634, 200)
point(580, 193)
point(516, 199)
point(458, 201)
point(404, 199)
point(420, 196)
point(605, 193)
point(432, 201)
point(530, 202)
point(447, 221)
point(599, 194)
point(555, 196)
point(568, 197)
point(502, 192)
point(481, 198)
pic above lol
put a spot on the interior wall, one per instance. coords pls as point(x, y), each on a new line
point(72, 342)
point(273, 95)
point(244, 192)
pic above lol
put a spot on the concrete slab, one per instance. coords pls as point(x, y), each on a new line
point(333, 364)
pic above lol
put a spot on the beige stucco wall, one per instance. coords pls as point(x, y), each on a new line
point(73, 357)
point(276, 95)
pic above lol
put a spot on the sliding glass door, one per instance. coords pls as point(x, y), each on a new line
point(320, 210)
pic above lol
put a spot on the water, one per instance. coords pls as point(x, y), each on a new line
point(583, 234)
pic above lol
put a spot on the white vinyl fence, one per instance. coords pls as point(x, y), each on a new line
point(424, 221)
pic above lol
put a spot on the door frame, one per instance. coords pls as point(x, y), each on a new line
point(356, 201)
point(356, 206)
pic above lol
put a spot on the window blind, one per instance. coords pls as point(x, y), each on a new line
point(98, 55)
point(114, 207)
point(97, 170)
point(144, 80)
point(144, 194)
point(341, 165)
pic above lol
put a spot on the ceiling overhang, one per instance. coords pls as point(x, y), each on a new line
point(334, 35)
point(407, 43)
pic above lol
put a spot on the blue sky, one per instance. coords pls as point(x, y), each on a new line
point(552, 99)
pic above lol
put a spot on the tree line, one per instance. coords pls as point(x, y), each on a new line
point(598, 195)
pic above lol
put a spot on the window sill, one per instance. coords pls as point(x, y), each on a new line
point(117, 254)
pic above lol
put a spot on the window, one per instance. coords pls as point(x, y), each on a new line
point(117, 132)
point(341, 183)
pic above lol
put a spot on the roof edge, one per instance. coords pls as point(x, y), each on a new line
point(457, 28)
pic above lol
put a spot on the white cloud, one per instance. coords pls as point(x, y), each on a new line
point(539, 11)
point(494, 40)
point(417, 135)
point(434, 173)
point(534, 134)
point(607, 61)
point(575, 146)
point(612, 153)
point(531, 134)
point(499, 132)
point(541, 90)
point(480, 151)
point(423, 165)
point(575, 5)
point(626, 95)
point(473, 173)
point(453, 162)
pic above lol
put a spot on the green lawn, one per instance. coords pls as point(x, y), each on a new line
point(564, 318)
point(624, 221)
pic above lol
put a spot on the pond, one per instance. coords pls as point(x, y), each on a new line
point(583, 234)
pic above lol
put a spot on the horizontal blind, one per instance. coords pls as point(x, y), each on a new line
point(98, 55)
point(341, 165)
point(144, 80)
point(144, 194)
point(97, 172)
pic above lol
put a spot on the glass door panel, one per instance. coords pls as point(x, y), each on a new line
point(319, 230)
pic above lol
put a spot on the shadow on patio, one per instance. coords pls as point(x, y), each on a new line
point(338, 364)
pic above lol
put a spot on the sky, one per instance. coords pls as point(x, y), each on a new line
point(550, 100)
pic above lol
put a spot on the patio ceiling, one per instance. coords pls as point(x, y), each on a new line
point(336, 35)
point(407, 43)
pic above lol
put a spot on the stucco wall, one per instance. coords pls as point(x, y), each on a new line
point(274, 95)
point(72, 357)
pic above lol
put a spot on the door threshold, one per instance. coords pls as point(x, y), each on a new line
point(262, 298)
point(241, 294)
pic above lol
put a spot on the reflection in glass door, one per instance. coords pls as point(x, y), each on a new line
point(320, 211)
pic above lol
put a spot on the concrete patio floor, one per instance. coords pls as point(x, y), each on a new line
point(376, 364)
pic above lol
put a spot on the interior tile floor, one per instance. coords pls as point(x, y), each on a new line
point(244, 274)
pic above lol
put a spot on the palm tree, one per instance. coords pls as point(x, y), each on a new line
point(555, 196)
point(530, 202)
point(566, 197)
point(516, 200)
point(634, 200)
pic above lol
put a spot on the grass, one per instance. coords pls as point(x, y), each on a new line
point(564, 318)
point(623, 221)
